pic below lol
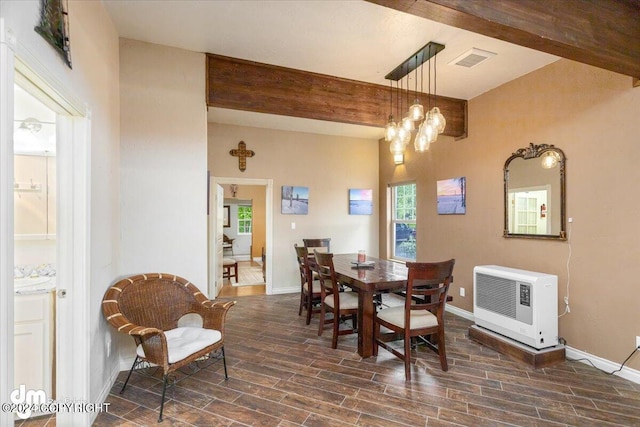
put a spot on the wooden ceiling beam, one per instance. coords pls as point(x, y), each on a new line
point(602, 33)
point(251, 86)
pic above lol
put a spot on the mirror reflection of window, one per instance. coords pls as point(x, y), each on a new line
point(535, 193)
point(529, 211)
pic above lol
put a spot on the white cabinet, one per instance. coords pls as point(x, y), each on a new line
point(33, 343)
point(34, 196)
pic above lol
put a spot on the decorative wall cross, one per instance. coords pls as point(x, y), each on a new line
point(242, 153)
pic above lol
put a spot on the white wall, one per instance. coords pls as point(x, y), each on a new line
point(94, 81)
point(164, 161)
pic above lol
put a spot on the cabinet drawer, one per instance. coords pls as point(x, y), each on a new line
point(29, 308)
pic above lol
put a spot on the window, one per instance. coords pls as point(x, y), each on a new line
point(403, 222)
point(245, 215)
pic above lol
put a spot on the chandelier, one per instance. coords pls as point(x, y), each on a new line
point(430, 124)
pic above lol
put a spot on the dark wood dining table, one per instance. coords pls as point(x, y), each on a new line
point(384, 275)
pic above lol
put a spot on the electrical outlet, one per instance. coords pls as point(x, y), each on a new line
point(637, 342)
point(462, 293)
point(570, 220)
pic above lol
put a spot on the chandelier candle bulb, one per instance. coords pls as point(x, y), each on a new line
point(429, 122)
point(416, 111)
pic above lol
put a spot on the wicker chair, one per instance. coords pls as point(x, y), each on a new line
point(152, 308)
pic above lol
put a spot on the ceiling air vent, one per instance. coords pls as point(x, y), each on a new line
point(472, 57)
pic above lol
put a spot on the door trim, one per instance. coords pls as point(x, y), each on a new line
point(73, 257)
point(268, 183)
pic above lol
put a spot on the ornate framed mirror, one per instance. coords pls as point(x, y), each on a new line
point(534, 193)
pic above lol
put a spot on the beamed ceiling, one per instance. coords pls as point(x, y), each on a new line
point(326, 61)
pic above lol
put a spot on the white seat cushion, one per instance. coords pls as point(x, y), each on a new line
point(316, 287)
point(392, 300)
point(348, 300)
point(228, 261)
point(419, 318)
point(183, 342)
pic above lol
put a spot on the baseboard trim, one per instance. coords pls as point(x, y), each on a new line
point(603, 364)
point(459, 312)
point(104, 393)
point(290, 290)
point(572, 353)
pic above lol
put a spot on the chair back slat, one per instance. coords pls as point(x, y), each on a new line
point(326, 273)
point(322, 245)
point(302, 255)
point(428, 284)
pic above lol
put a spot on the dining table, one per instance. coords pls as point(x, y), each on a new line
point(378, 275)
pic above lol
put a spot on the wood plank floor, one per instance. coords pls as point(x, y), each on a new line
point(250, 281)
point(282, 374)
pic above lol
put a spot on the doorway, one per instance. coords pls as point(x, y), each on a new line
point(70, 186)
point(35, 252)
point(246, 229)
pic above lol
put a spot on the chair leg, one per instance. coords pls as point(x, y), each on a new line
point(309, 307)
point(224, 362)
point(130, 372)
point(302, 301)
point(407, 358)
point(336, 327)
point(442, 352)
point(376, 336)
point(322, 314)
point(164, 390)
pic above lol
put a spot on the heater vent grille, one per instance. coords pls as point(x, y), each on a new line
point(496, 294)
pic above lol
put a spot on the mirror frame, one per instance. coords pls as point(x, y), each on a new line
point(532, 152)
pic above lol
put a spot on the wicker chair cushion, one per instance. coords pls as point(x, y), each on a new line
point(419, 318)
point(183, 342)
point(348, 300)
point(316, 287)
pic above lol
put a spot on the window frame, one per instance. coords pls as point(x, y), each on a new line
point(242, 222)
point(411, 222)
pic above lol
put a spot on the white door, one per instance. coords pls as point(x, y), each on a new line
point(216, 216)
point(219, 235)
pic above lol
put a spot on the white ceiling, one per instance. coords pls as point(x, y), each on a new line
point(350, 39)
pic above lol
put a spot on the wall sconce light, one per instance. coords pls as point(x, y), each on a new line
point(398, 158)
point(550, 159)
point(234, 190)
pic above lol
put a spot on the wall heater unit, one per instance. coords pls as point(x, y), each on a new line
point(519, 304)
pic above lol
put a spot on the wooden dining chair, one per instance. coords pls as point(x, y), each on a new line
point(342, 305)
point(309, 288)
point(422, 313)
point(322, 245)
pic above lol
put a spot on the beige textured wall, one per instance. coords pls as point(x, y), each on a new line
point(328, 165)
point(163, 165)
point(592, 115)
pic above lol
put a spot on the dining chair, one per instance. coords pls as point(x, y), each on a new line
point(342, 305)
point(422, 313)
point(309, 288)
point(323, 245)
